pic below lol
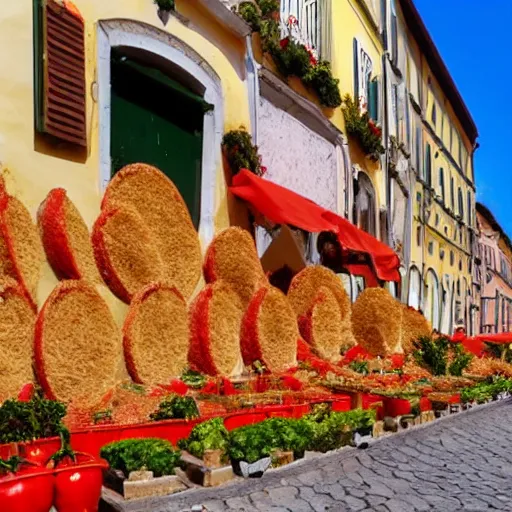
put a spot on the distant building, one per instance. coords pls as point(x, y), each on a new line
point(493, 273)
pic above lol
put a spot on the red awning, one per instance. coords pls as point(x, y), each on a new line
point(282, 206)
point(502, 337)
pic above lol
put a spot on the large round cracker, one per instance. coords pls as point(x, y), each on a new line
point(269, 331)
point(414, 325)
point(78, 347)
point(155, 335)
point(17, 320)
point(125, 251)
point(163, 210)
point(232, 258)
point(214, 318)
point(323, 327)
point(377, 322)
point(66, 238)
point(21, 251)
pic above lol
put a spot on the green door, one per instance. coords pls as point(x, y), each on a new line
point(157, 121)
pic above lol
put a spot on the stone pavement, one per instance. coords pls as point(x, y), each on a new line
point(462, 462)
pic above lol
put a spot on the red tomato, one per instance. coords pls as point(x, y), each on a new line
point(78, 485)
point(30, 488)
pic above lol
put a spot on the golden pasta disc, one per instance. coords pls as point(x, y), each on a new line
point(17, 320)
point(269, 331)
point(162, 209)
point(214, 318)
point(377, 322)
point(414, 325)
point(232, 258)
point(155, 335)
point(78, 345)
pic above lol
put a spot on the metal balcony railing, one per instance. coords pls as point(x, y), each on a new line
point(301, 19)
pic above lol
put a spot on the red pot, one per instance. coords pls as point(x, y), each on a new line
point(241, 420)
point(39, 451)
point(30, 489)
point(425, 404)
point(78, 484)
point(397, 407)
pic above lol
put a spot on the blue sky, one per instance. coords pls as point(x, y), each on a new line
point(474, 38)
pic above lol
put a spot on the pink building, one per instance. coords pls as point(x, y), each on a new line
point(493, 274)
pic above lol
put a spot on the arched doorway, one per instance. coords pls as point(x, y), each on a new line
point(432, 299)
point(414, 296)
point(145, 123)
point(365, 209)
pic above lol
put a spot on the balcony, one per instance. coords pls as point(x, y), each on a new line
point(301, 18)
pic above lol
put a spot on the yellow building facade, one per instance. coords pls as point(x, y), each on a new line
point(203, 46)
point(440, 135)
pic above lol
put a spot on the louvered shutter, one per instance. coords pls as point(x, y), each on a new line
point(428, 165)
point(60, 71)
point(356, 69)
point(373, 99)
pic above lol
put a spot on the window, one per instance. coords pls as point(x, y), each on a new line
point(441, 183)
point(452, 193)
point(434, 114)
point(470, 208)
point(59, 74)
point(414, 288)
point(452, 258)
point(428, 165)
point(441, 254)
point(431, 248)
point(363, 69)
point(306, 29)
point(365, 204)
point(394, 33)
point(438, 219)
point(418, 236)
point(431, 302)
point(461, 204)
point(419, 145)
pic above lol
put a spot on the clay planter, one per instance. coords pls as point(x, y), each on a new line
point(208, 472)
point(280, 458)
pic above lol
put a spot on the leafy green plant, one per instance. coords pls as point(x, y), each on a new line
point(320, 79)
point(209, 435)
point(166, 5)
point(35, 419)
point(176, 407)
point(254, 442)
point(249, 12)
point(193, 379)
point(268, 7)
point(359, 367)
point(156, 455)
point(461, 361)
point(241, 152)
point(432, 354)
point(484, 391)
point(360, 126)
point(291, 58)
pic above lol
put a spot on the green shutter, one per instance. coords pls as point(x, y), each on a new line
point(428, 166)
point(373, 99)
point(356, 70)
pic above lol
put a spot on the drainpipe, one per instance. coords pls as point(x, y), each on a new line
point(253, 85)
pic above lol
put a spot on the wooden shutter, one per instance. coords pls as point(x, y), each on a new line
point(356, 69)
point(428, 165)
point(60, 51)
point(373, 99)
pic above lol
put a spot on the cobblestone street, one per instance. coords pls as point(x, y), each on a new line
point(463, 462)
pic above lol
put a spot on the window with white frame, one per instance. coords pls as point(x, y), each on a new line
point(365, 86)
point(301, 19)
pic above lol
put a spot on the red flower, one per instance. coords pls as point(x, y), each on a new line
point(178, 386)
point(291, 383)
point(210, 388)
point(26, 393)
point(397, 361)
point(263, 170)
point(284, 43)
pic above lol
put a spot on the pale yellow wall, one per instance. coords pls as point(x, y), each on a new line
point(349, 22)
point(30, 174)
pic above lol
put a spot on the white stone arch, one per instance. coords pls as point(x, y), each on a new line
point(431, 306)
point(150, 39)
point(414, 293)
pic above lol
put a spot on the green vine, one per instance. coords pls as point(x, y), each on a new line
point(241, 152)
point(291, 57)
point(360, 126)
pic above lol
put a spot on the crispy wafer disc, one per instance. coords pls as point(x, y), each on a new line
point(269, 331)
point(155, 335)
point(232, 257)
point(17, 320)
point(78, 345)
point(414, 325)
point(214, 318)
point(324, 328)
point(377, 322)
point(305, 286)
point(66, 238)
point(161, 207)
point(125, 251)
point(21, 251)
